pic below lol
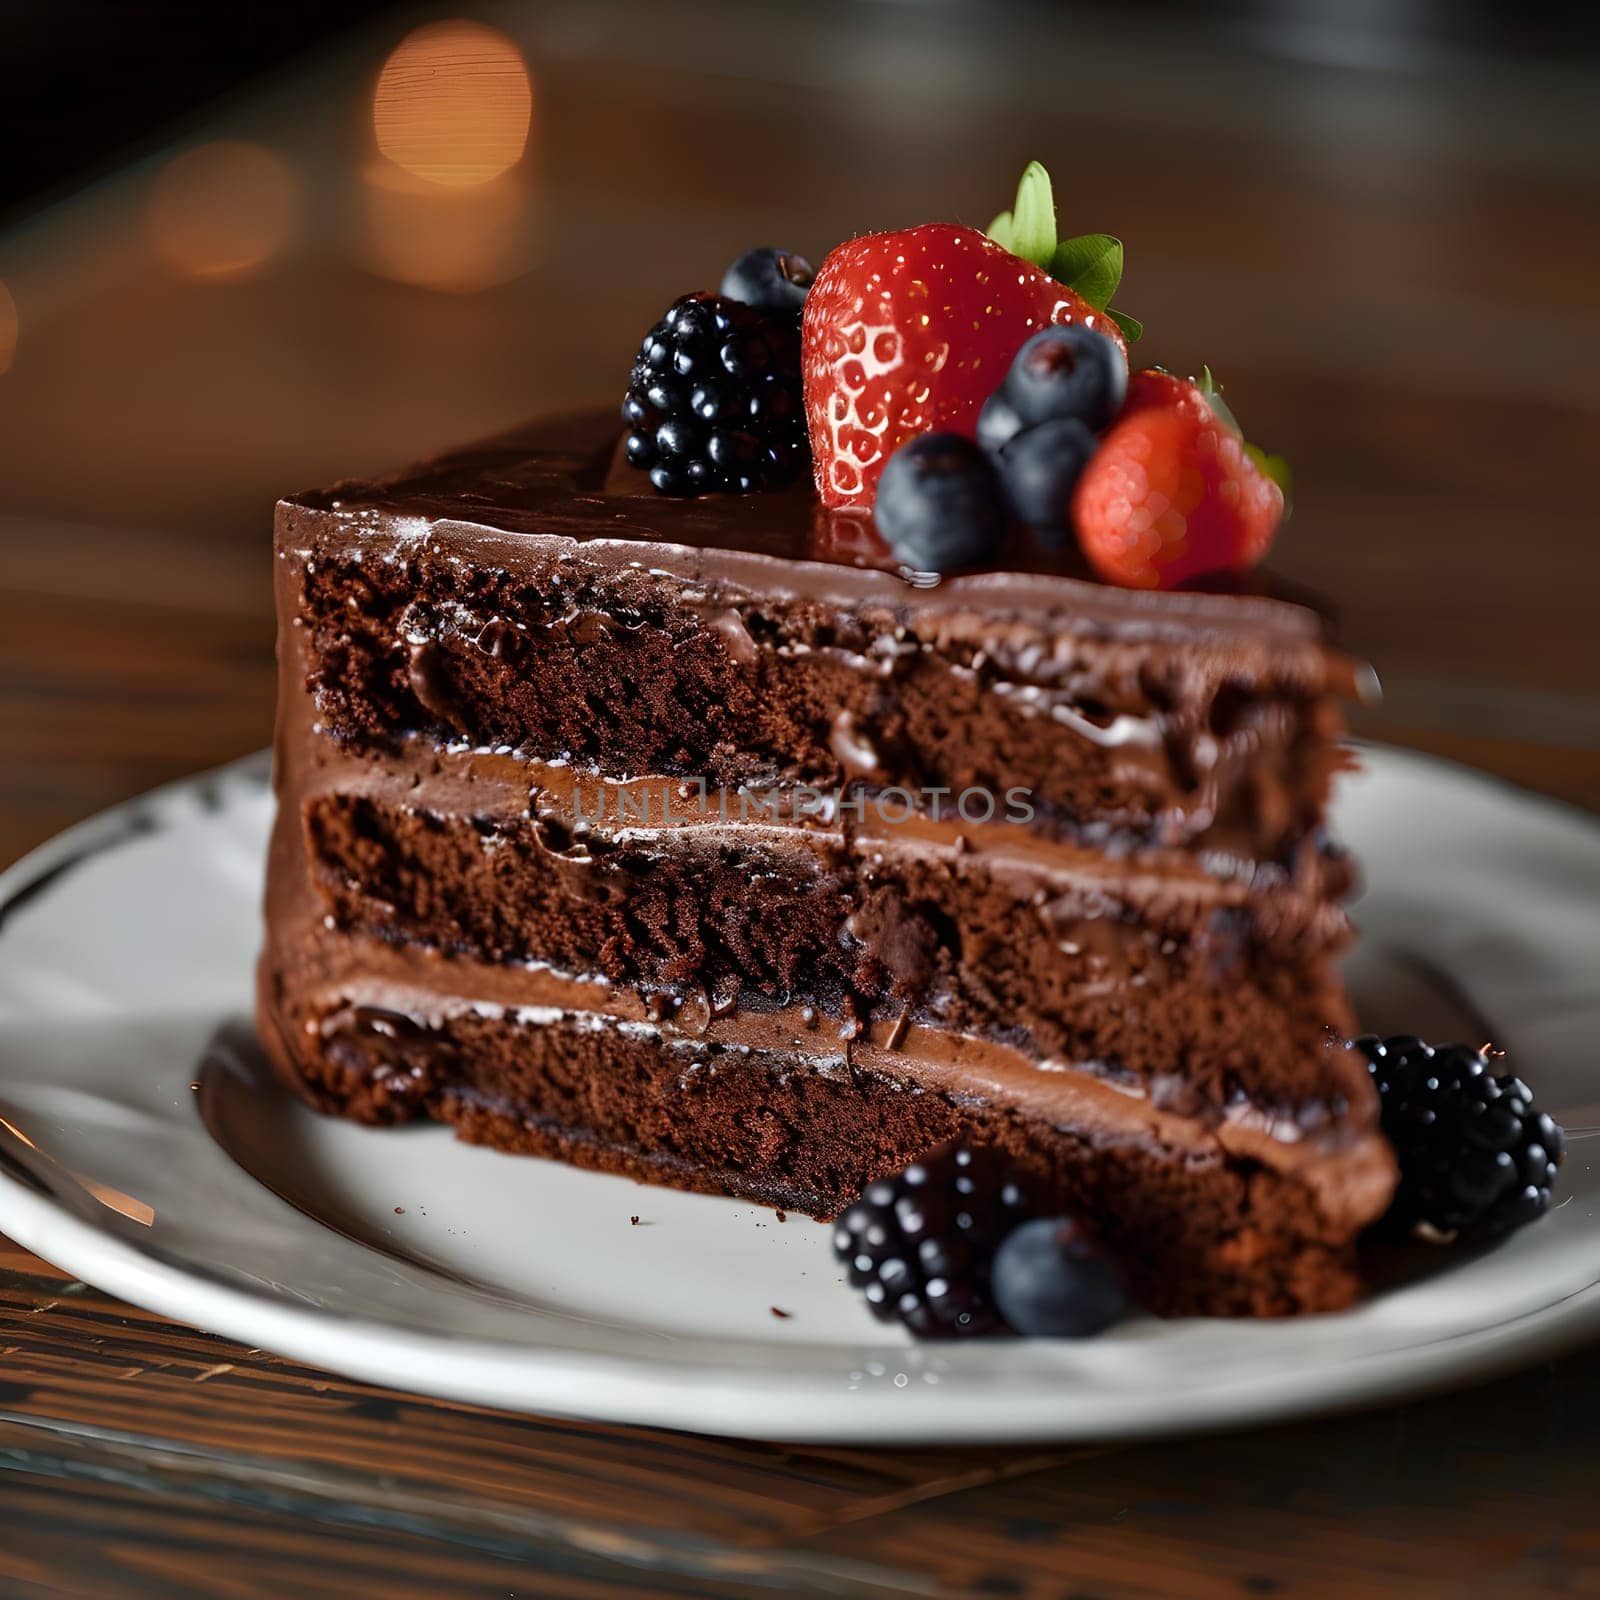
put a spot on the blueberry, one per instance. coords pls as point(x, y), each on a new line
point(774, 281)
point(1051, 1280)
point(998, 421)
point(1068, 371)
point(939, 504)
point(1040, 467)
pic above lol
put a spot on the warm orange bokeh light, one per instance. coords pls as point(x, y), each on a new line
point(454, 239)
point(222, 209)
point(8, 327)
point(454, 104)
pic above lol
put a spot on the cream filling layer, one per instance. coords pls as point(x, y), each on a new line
point(656, 811)
point(1348, 1170)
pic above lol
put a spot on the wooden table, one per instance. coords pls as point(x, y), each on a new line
point(1392, 263)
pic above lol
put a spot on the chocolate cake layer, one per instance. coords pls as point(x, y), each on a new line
point(1170, 718)
point(582, 848)
point(1248, 1216)
point(979, 927)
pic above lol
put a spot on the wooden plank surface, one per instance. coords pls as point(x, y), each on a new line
point(1392, 267)
point(146, 1458)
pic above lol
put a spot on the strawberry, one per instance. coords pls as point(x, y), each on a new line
point(1154, 386)
point(1174, 492)
point(907, 333)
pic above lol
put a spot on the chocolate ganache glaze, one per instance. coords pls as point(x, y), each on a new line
point(565, 477)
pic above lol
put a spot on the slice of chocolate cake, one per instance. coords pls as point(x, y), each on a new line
point(687, 839)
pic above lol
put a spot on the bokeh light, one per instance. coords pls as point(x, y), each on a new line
point(8, 327)
point(222, 209)
point(454, 239)
point(453, 104)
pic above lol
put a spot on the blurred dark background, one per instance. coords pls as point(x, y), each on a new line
point(245, 249)
point(190, 53)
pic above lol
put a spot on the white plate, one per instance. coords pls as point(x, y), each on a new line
point(195, 1188)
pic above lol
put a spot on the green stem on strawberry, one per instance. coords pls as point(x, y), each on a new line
point(1090, 264)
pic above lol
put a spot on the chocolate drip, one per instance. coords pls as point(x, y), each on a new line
point(429, 676)
point(390, 1050)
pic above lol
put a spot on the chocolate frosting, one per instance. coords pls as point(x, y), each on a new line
point(564, 477)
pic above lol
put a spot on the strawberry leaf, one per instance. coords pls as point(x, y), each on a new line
point(1033, 218)
point(1091, 264)
point(1002, 231)
point(1274, 467)
point(1212, 390)
point(1132, 327)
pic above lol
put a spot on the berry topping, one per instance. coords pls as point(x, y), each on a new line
point(1154, 387)
point(773, 281)
point(1173, 492)
point(1040, 468)
point(939, 506)
point(1068, 372)
point(713, 401)
point(907, 333)
point(1051, 1280)
point(921, 1244)
point(1477, 1157)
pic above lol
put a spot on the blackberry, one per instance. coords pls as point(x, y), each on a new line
point(1476, 1156)
point(921, 1244)
point(713, 401)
